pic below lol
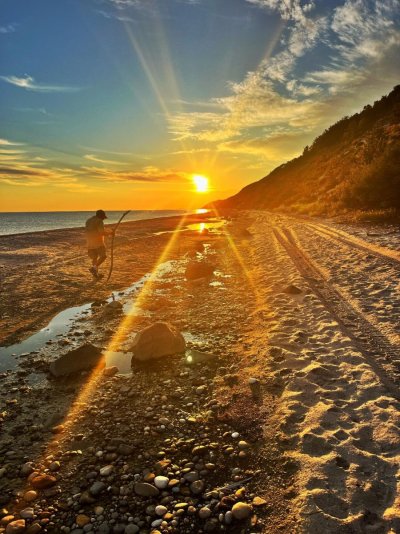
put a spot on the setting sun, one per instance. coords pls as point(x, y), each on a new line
point(200, 182)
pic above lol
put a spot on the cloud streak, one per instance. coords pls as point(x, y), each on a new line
point(28, 83)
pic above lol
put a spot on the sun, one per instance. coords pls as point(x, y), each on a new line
point(200, 182)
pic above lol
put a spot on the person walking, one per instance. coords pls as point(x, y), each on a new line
point(95, 233)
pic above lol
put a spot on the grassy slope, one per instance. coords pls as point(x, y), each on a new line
point(354, 166)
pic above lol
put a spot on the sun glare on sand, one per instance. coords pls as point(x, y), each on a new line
point(200, 182)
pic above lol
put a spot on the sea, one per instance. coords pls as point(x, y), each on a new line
point(23, 222)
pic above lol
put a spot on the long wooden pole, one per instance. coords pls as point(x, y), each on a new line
point(112, 244)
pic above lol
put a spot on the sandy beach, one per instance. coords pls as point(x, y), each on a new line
point(282, 414)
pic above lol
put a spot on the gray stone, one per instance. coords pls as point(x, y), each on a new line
point(85, 357)
point(156, 341)
point(97, 487)
point(146, 490)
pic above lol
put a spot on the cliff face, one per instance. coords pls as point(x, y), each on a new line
point(354, 165)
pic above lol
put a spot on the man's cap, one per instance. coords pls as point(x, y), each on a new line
point(101, 214)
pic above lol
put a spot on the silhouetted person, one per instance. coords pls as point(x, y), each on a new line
point(95, 233)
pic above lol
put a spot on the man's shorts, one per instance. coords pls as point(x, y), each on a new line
point(95, 253)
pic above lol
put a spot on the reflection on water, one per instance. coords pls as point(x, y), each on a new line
point(203, 226)
point(201, 211)
point(122, 360)
point(194, 356)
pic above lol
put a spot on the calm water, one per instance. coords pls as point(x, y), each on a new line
point(23, 222)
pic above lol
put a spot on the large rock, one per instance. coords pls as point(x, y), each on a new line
point(199, 269)
point(156, 341)
point(80, 359)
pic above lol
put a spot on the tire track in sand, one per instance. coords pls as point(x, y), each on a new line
point(381, 355)
point(384, 255)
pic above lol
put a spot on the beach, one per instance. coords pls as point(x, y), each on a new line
point(281, 415)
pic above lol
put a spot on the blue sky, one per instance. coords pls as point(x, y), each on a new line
point(119, 101)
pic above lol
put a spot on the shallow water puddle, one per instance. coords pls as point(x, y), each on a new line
point(62, 323)
point(122, 360)
point(205, 226)
point(59, 325)
point(193, 356)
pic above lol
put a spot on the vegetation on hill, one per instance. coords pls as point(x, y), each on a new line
point(353, 167)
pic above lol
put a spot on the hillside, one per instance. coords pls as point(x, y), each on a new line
point(354, 166)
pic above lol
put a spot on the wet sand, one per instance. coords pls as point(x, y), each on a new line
point(301, 321)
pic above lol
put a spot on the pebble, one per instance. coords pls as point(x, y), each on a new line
point(43, 481)
point(16, 527)
point(81, 520)
point(27, 513)
point(161, 482)
point(97, 487)
point(241, 510)
point(106, 470)
point(30, 496)
point(146, 490)
point(161, 510)
point(204, 513)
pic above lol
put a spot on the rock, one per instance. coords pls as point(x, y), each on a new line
point(97, 487)
point(30, 496)
point(198, 269)
point(156, 341)
point(228, 517)
point(26, 469)
point(15, 527)
point(197, 487)
point(161, 482)
point(54, 466)
point(106, 470)
point(80, 359)
point(35, 528)
point(161, 510)
point(43, 481)
point(243, 445)
point(146, 490)
point(27, 513)
point(86, 498)
point(292, 290)
point(110, 371)
point(131, 529)
point(81, 520)
point(204, 513)
point(125, 450)
point(258, 501)
point(241, 510)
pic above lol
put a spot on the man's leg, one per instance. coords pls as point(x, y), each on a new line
point(93, 255)
point(101, 256)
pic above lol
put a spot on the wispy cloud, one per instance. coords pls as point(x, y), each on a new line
point(8, 28)
point(148, 174)
point(115, 16)
point(361, 41)
point(92, 157)
point(28, 83)
point(7, 142)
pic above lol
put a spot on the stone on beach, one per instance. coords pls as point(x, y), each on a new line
point(198, 269)
point(156, 341)
point(80, 359)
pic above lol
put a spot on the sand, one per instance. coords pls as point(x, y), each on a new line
point(303, 316)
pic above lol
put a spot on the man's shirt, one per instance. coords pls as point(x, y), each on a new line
point(94, 232)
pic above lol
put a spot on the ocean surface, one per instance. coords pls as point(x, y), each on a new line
point(23, 222)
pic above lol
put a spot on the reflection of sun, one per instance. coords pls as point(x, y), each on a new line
point(200, 182)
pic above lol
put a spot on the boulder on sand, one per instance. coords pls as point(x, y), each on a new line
point(199, 269)
point(80, 359)
point(156, 341)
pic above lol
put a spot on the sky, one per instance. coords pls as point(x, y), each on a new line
point(115, 104)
